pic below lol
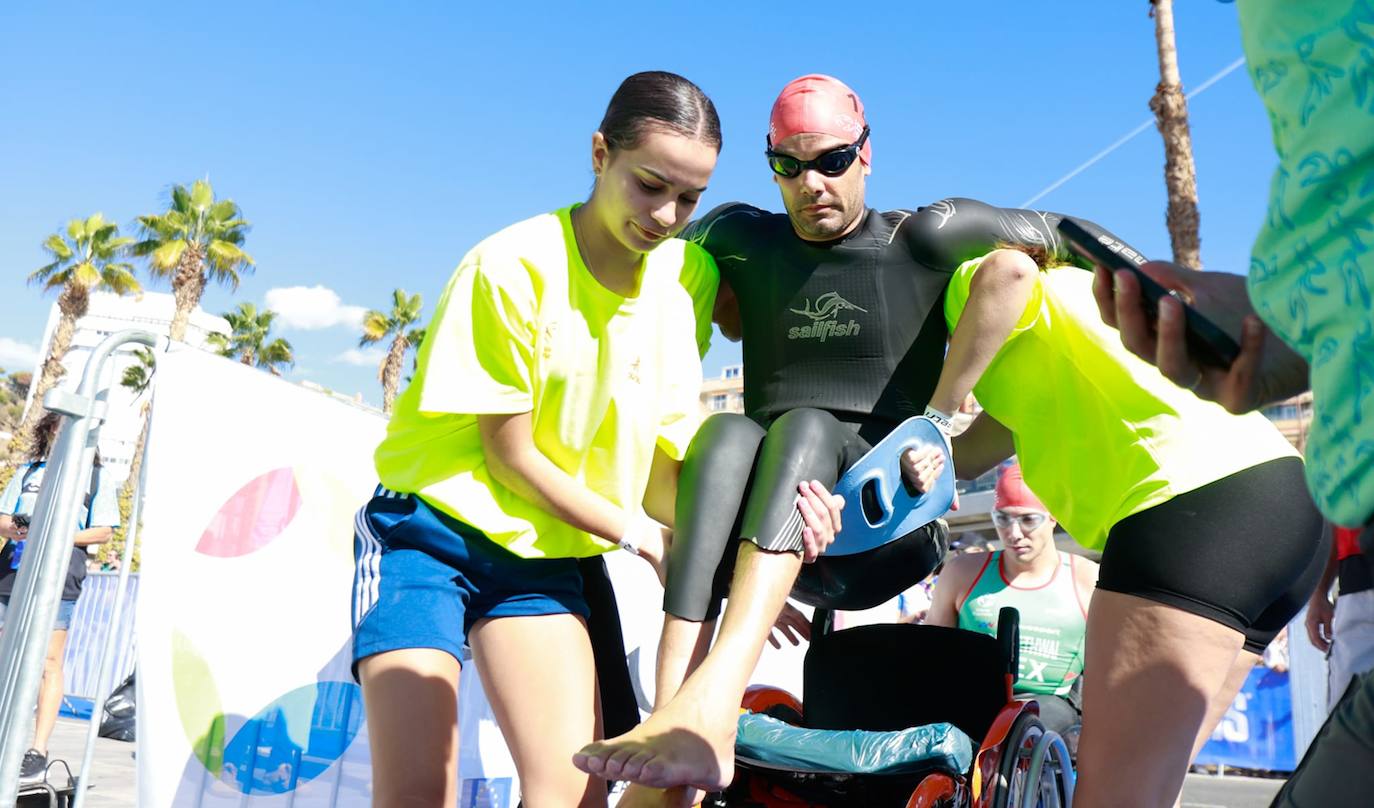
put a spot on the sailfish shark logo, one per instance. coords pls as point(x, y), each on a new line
point(827, 306)
point(823, 314)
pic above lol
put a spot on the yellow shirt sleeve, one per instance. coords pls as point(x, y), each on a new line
point(702, 279)
point(479, 353)
point(682, 407)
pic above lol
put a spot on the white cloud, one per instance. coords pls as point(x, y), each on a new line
point(365, 357)
point(310, 308)
point(16, 356)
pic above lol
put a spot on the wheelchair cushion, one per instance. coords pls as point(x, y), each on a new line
point(889, 677)
point(776, 744)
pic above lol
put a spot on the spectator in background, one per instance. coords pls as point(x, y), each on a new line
point(1275, 656)
point(96, 521)
point(1343, 627)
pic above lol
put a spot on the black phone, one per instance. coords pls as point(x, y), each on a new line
point(1207, 343)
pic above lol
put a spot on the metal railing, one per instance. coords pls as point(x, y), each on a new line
point(38, 586)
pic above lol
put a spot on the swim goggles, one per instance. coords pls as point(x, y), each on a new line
point(1028, 522)
point(832, 163)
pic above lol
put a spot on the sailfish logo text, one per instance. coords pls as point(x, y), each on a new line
point(823, 314)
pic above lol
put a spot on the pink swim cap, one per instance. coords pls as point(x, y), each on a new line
point(821, 105)
point(1013, 493)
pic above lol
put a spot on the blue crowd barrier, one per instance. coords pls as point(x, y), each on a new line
point(1257, 731)
point(86, 638)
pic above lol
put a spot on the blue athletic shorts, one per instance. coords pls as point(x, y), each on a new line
point(422, 578)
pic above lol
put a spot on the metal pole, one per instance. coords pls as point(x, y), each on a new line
point(38, 586)
point(107, 654)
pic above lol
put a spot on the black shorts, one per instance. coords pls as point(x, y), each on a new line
point(1245, 551)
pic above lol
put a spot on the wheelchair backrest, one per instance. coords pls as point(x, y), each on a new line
point(890, 677)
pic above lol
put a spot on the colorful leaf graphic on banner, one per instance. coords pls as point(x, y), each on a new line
point(294, 739)
point(198, 703)
point(332, 506)
point(255, 515)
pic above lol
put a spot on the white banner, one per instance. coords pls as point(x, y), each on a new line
point(245, 694)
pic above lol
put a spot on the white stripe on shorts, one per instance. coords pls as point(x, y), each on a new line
point(368, 573)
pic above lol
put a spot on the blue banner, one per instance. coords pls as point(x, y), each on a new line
point(1257, 732)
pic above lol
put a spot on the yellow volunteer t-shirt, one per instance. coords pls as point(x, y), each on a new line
point(1100, 433)
point(523, 326)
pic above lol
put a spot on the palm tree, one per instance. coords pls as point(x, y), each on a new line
point(248, 340)
point(136, 379)
point(84, 260)
point(193, 242)
point(1171, 116)
point(377, 326)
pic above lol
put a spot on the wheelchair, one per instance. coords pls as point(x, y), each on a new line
point(890, 719)
point(893, 712)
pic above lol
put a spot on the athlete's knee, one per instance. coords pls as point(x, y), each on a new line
point(802, 427)
point(725, 429)
point(52, 663)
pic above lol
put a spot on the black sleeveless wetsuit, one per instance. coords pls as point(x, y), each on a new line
point(843, 341)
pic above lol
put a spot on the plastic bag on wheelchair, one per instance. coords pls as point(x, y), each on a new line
point(766, 740)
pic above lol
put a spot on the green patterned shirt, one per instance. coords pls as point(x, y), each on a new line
point(1312, 269)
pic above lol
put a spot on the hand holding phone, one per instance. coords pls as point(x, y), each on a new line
point(1207, 342)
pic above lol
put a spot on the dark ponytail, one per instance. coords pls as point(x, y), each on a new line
point(659, 101)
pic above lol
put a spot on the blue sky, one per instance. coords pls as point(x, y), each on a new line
point(372, 144)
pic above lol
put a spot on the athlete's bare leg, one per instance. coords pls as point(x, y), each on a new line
point(690, 740)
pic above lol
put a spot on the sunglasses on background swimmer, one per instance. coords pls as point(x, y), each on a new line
point(1207, 343)
point(832, 163)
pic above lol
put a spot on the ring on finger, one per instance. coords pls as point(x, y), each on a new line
point(1196, 381)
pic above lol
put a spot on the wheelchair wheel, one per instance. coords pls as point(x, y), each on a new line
point(1013, 770)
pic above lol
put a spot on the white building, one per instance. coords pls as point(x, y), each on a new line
point(109, 313)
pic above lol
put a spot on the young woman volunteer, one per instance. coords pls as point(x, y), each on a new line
point(554, 396)
point(1210, 543)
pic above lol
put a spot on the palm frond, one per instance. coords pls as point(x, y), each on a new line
point(227, 256)
point(376, 327)
point(181, 198)
point(43, 273)
point(168, 255)
point(202, 195)
point(58, 247)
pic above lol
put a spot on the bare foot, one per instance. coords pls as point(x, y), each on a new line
point(676, 746)
point(638, 796)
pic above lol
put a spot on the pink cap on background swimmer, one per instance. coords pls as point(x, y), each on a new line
point(821, 105)
point(1013, 493)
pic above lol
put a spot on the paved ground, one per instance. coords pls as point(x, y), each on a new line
point(112, 775)
point(1209, 791)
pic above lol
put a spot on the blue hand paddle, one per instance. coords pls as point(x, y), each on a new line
point(873, 487)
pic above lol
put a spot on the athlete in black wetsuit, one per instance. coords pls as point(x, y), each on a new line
point(840, 310)
point(843, 341)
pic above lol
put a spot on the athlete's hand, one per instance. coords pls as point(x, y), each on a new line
point(1320, 614)
point(820, 511)
point(922, 467)
point(791, 625)
point(1266, 370)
